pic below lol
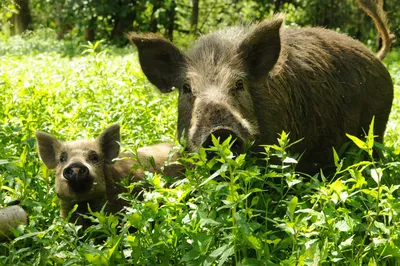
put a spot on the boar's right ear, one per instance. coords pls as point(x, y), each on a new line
point(161, 61)
point(261, 48)
point(47, 146)
point(108, 142)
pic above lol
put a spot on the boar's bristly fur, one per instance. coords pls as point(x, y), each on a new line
point(87, 174)
point(254, 81)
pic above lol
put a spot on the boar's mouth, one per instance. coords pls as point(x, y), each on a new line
point(223, 133)
point(81, 186)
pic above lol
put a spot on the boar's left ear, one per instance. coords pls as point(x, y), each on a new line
point(47, 146)
point(260, 49)
point(161, 61)
point(108, 142)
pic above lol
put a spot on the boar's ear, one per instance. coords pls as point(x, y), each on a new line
point(161, 61)
point(47, 146)
point(108, 142)
point(260, 49)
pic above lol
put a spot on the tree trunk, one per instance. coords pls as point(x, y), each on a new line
point(21, 21)
point(195, 16)
point(123, 24)
point(171, 21)
point(61, 28)
point(153, 20)
point(277, 6)
point(90, 30)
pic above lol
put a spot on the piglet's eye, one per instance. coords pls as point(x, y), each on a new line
point(94, 157)
point(186, 88)
point(239, 86)
point(63, 157)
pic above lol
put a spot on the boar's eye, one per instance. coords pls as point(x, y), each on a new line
point(239, 86)
point(186, 88)
point(63, 157)
point(94, 157)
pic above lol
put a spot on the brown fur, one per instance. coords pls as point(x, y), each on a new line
point(105, 172)
point(313, 83)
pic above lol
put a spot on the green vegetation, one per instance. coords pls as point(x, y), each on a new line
point(227, 210)
point(180, 20)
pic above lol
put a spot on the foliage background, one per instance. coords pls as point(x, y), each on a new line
point(181, 20)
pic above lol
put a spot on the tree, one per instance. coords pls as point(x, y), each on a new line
point(195, 16)
point(171, 20)
point(124, 20)
point(22, 19)
point(111, 19)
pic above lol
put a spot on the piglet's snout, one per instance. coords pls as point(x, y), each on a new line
point(222, 134)
point(78, 177)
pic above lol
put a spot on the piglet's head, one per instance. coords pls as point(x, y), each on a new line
point(80, 165)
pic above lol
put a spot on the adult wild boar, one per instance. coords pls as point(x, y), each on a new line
point(87, 174)
point(254, 81)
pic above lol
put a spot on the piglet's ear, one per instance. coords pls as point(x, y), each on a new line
point(48, 146)
point(108, 142)
point(161, 61)
point(260, 49)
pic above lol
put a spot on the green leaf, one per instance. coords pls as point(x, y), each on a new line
point(227, 253)
point(133, 240)
point(254, 241)
point(292, 207)
point(223, 168)
point(337, 186)
point(289, 160)
point(391, 251)
point(346, 243)
point(385, 229)
point(370, 137)
point(3, 161)
point(360, 144)
point(72, 211)
point(342, 226)
point(336, 160)
point(114, 248)
point(204, 241)
point(219, 251)
point(224, 252)
point(372, 193)
point(191, 255)
point(242, 223)
point(376, 175)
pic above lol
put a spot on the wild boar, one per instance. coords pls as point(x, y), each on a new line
point(86, 172)
point(253, 81)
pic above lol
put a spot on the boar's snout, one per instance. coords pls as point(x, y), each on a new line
point(238, 146)
point(78, 177)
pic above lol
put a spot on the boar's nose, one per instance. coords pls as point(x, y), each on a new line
point(78, 177)
point(238, 146)
point(76, 171)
